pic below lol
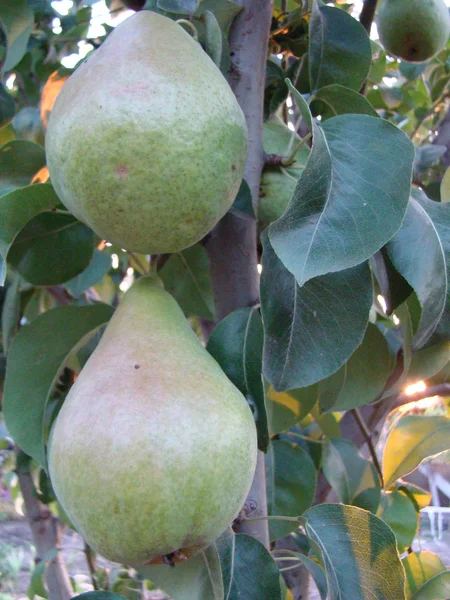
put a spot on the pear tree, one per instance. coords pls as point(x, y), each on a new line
point(225, 265)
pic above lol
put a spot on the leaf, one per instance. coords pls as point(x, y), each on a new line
point(445, 186)
point(186, 276)
point(10, 312)
point(224, 10)
point(237, 343)
point(340, 100)
point(36, 586)
point(437, 588)
point(18, 208)
point(317, 574)
point(214, 38)
point(352, 477)
point(248, 569)
point(420, 497)
point(361, 379)
point(427, 362)
point(412, 440)
point(425, 227)
point(359, 553)
point(20, 160)
point(399, 512)
point(419, 568)
point(285, 409)
point(98, 596)
point(190, 580)
point(52, 248)
point(243, 205)
point(98, 267)
point(310, 331)
point(291, 484)
point(36, 357)
point(329, 224)
point(16, 19)
point(7, 107)
point(183, 7)
point(339, 49)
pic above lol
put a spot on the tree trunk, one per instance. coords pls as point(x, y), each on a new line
point(47, 534)
point(231, 246)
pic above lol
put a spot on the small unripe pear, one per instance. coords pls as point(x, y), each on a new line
point(154, 449)
point(146, 142)
point(414, 30)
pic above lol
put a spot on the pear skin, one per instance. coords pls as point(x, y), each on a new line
point(154, 449)
point(146, 142)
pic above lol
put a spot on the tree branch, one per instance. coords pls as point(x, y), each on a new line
point(231, 246)
point(47, 534)
point(368, 439)
point(368, 14)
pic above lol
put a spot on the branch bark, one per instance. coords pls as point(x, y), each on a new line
point(231, 246)
point(47, 534)
point(368, 14)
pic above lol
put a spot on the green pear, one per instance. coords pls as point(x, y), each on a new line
point(414, 30)
point(154, 449)
point(278, 184)
point(146, 142)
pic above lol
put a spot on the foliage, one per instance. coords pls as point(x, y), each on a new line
point(354, 289)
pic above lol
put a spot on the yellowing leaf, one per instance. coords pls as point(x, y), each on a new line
point(413, 439)
point(445, 187)
point(419, 568)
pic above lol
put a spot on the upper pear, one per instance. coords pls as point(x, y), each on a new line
point(146, 142)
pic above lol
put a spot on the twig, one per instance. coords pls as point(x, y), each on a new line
point(307, 438)
point(90, 559)
point(445, 94)
point(368, 438)
point(291, 158)
point(142, 267)
point(367, 14)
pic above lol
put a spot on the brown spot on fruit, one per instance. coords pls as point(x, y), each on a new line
point(121, 170)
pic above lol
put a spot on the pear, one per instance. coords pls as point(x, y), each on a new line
point(154, 449)
point(146, 142)
point(414, 30)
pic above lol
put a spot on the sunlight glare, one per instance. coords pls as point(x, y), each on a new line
point(419, 386)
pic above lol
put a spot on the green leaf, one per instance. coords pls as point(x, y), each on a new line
point(248, 569)
point(98, 596)
point(399, 512)
point(186, 276)
point(427, 362)
point(16, 19)
point(184, 7)
point(445, 186)
point(20, 160)
point(340, 100)
point(412, 440)
point(339, 49)
point(237, 343)
point(244, 566)
point(224, 10)
point(18, 208)
point(329, 223)
point(419, 568)
point(310, 331)
point(243, 204)
point(362, 377)
point(214, 40)
point(7, 107)
point(352, 477)
point(95, 271)
point(36, 586)
point(317, 574)
point(11, 312)
point(291, 484)
point(426, 227)
point(359, 553)
point(437, 588)
point(285, 409)
point(36, 357)
point(52, 248)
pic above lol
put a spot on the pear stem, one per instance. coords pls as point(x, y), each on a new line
point(190, 26)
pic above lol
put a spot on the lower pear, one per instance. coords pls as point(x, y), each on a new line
point(154, 449)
